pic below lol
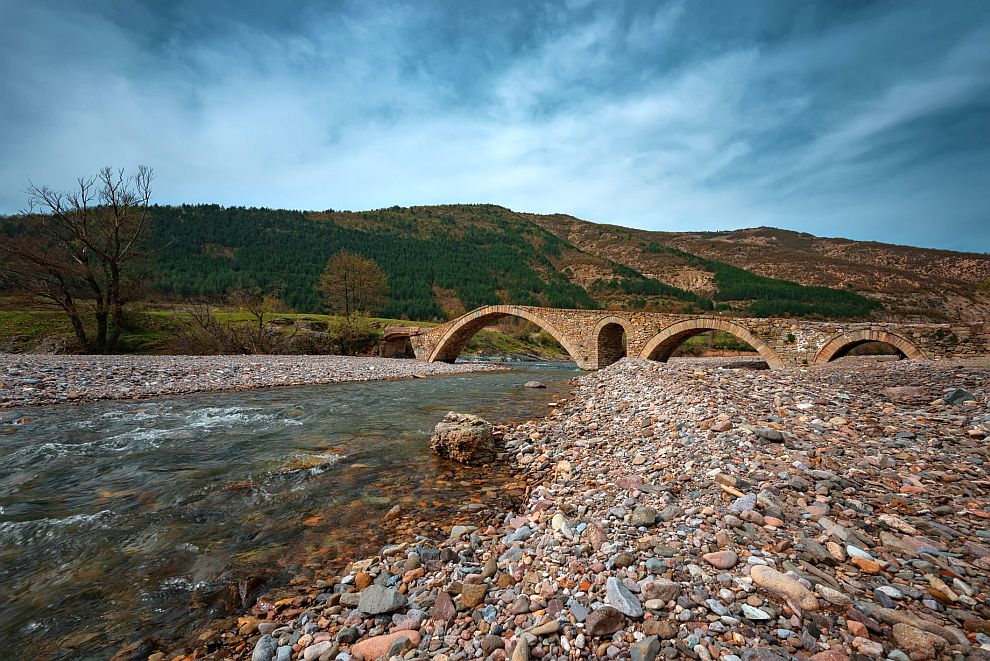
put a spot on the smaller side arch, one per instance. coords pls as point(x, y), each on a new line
point(663, 343)
point(611, 338)
point(841, 344)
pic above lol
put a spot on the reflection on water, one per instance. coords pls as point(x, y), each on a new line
point(122, 520)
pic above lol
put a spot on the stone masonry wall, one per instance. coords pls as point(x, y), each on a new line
point(784, 342)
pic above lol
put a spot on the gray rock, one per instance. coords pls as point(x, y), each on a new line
point(958, 396)
point(744, 503)
point(815, 551)
point(619, 596)
point(264, 649)
point(520, 605)
point(377, 599)
point(534, 384)
point(520, 534)
point(643, 516)
point(768, 501)
point(753, 613)
point(762, 654)
point(772, 435)
point(646, 649)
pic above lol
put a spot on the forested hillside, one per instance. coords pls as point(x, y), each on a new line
point(442, 261)
point(205, 251)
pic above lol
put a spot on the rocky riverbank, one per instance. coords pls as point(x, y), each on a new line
point(33, 380)
point(697, 512)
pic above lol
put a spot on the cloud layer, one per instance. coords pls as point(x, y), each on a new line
point(870, 121)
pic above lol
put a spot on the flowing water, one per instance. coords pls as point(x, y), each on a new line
point(124, 520)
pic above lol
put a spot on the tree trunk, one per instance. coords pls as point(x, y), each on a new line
point(116, 326)
point(100, 345)
point(116, 305)
point(75, 318)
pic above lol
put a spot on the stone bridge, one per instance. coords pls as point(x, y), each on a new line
point(598, 338)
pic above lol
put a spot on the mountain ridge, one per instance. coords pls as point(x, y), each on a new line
point(442, 260)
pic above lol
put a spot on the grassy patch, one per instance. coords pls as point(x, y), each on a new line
point(146, 332)
point(491, 343)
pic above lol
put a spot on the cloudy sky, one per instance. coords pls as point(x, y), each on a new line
point(862, 119)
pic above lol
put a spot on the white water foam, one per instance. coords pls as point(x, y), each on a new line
point(182, 583)
point(169, 424)
point(20, 532)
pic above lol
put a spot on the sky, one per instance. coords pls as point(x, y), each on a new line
point(869, 120)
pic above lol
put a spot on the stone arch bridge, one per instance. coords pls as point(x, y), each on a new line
point(598, 338)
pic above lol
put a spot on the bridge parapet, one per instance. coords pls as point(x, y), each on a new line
point(594, 338)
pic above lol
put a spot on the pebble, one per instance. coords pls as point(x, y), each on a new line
point(377, 599)
point(264, 649)
point(721, 559)
point(604, 621)
point(783, 585)
point(621, 598)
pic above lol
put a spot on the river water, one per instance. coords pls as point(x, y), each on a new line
point(124, 520)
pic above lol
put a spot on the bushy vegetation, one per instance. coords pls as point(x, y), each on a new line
point(712, 341)
point(639, 286)
point(769, 297)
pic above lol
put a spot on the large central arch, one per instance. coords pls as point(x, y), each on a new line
point(453, 341)
point(667, 340)
point(841, 344)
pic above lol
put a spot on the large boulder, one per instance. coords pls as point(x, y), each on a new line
point(464, 438)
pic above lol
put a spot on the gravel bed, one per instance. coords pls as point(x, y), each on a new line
point(32, 380)
point(689, 511)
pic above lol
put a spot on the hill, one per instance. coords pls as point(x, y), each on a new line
point(911, 283)
point(444, 260)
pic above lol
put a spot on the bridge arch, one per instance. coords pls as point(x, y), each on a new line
point(841, 344)
point(611, 337)
point(454, 339)
point(663, 343)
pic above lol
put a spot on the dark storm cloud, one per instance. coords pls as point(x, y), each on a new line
point(869, 120)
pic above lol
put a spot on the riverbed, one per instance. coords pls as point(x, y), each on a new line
point(123, 520)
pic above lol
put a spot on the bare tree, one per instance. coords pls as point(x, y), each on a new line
point(259, 305)
point(352, 284)
point(78, 249)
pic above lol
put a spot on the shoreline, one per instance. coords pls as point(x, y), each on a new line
point(33, 380)
point(632, 541)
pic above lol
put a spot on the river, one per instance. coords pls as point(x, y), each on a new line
point(125, 520)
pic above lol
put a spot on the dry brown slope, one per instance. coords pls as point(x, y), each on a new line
point(911, 282)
